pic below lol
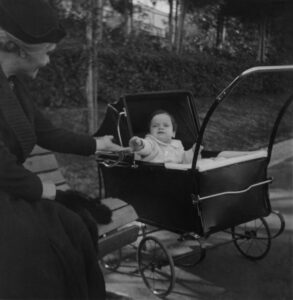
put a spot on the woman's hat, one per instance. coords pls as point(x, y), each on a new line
point(31, 21)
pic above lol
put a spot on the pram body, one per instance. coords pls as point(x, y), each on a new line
point(199, 199)
point(182, 200)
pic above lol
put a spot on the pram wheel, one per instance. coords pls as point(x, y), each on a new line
point(112, 260)
point(194, 256)
point(252, 239)
point(278, 223)
point(156, 266)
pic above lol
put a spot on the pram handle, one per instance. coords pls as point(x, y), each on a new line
point(248, 72)
point(225, 92)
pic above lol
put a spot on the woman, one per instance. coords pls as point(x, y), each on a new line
point(45, 249)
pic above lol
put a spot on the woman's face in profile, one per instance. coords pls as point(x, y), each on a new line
point(32, 61)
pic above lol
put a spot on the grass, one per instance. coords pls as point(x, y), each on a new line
point(240, 122)
point(246, 122)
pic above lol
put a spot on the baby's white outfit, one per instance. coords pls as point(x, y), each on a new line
point(160, 152)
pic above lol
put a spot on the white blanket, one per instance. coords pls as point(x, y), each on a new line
point(205, 164)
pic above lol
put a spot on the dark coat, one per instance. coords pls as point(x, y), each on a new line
point(45, 249)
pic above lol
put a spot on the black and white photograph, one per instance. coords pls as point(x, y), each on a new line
point(146, 149)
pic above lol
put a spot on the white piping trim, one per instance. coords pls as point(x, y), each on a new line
point(236, 192)
point(118, 126)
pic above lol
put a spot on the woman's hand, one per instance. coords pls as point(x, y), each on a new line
point(105, 143)
point(136, 143)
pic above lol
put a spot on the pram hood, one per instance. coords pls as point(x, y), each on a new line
point(129, 116)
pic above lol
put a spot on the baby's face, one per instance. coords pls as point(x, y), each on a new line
point(161, 128)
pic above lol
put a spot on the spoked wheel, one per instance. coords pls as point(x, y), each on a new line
point(156, 266)
point(112, 260)
point(252, 239)
point(277, 221)
point(194, 256)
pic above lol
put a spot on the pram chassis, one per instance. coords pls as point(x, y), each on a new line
point(197, 224)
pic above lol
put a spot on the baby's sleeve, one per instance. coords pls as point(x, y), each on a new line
point(149, 150)
point(148, 147)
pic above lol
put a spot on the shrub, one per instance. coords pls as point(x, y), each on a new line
point(130, 69)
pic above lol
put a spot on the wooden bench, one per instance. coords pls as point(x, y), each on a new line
point(114, 235)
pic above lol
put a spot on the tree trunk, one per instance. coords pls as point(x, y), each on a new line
point(131, 16)
point(127, 15)
point(99, 20)
point(92, 78)
point(261, 55)
point(180, 32)
point(221, 31)
point(171, 27)
point(176, 24)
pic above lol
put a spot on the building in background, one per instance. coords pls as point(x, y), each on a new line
point(150, 19)
point(148, 16)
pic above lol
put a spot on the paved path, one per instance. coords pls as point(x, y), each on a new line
point(225, 274)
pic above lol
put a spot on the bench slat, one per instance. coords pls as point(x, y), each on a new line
point(114, 203)
point(54, 176)
point(117, 240)
point(63, 187)
point(43, 163)
point(39, 151)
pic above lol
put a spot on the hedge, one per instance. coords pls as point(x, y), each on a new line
point(127, 69)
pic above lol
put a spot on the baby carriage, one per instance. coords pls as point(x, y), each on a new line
point(193, 200)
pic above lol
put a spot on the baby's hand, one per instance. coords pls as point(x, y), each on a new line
point(136, 143)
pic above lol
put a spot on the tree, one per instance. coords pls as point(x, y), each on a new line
point(180, 25)
point(125, 8)
point(94, 35)
point(170, 24)
point(182, 9)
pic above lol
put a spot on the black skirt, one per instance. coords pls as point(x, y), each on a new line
point(46, 253)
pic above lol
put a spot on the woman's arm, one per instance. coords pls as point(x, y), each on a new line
point(61, 140)
point(17, 180)
point(65, 141)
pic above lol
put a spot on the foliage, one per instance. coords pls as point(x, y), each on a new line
point(121, 6)
point(242, 21)
point(129, 68)
point(200, 29)
point(62, 82)
point(281, 47)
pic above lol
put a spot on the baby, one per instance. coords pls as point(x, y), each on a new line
point(159, 145)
